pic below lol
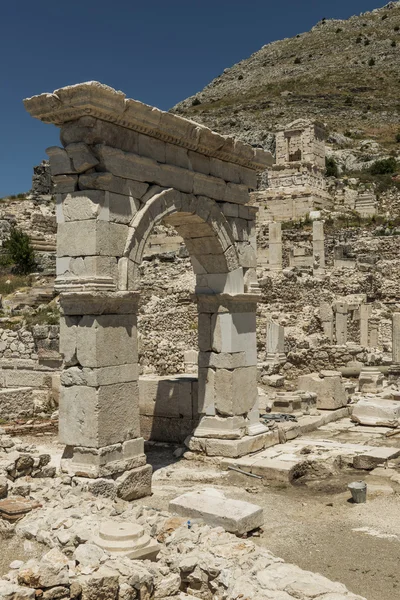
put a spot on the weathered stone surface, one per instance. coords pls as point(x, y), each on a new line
point(376, 411)
point(106, 340)
point(60, 162)
point(108, 182)
point(373, 458)
point(330, 391)
point(217, 510)
point(135, 483)
point(91, 237)
point(96, 417)
point(81, 156)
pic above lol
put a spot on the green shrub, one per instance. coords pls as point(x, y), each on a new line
point(367, 42)
point(384, 17)
point(384, 166)
point(339, 30)
point(48, 315)
point(11, 283)
point(393, 44)
point(195, 102)
point(331, 168)
point(359, 39)
point(21, 253)
point(398, 138)
point(297, 61)
point(396, 28)
point(371, 62)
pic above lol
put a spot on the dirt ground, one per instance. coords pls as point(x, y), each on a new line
point(312, 524)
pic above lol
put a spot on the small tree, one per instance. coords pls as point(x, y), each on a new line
point(20, 250)
point(384, 166)
point(371, 62)
point(331, 168)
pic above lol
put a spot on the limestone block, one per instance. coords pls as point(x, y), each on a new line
point(90, 266)
point(101, 376)
point(204, 332)
point(331, 393)
point(224, 170)
point(121, 209)
point(247, 254)
point(94, 131)
point(205, 185)
point(217, 510)
point(110, 183)
point(16, 402)
point(370, 380)
point(175, 155)
point(248, 178)
point(60, 162)
point(236, 193)
point(128, 165)
point(135, 483)
point(175, 177)
point(90, 238)
point(65, 183)
point(230, 210)
point(220, 283)
point(82, 157)
point(373, 458)
point(80, 206)
point(222, 360)
point(240, 447)
point(152, 148)
point(107, 340)
point(376, 411)
point(205, 245)
point(206, 392)
point(68, 339)
point(235, 332)
point(223, 428)
point(199, 163)
point(166, 396)
point(23, 378)
point(235, 390)
point(95, 417)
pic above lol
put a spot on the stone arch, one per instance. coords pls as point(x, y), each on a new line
point(207, 234)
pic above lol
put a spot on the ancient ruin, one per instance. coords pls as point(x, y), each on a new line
point(124, 168)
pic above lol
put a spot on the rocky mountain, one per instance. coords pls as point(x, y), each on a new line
point(345, 73)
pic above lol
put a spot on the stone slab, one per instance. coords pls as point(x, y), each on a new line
point(216, 510)
point(373, 458)
point(376, 411)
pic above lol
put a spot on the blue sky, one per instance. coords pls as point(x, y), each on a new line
point(158, 51)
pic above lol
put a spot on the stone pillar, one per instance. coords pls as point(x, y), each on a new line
point(319, 247)
point(99, 403)
point(228, 397)
point(275, 347)
point(341, 323)
point(373, 333)
point(275, 246)
point(326, 317)
point(396, 338)
point(365, 312)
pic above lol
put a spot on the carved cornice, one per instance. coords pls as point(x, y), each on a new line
point(103, 102)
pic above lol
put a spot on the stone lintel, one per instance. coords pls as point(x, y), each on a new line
point(99, 303)
point(105, 103)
